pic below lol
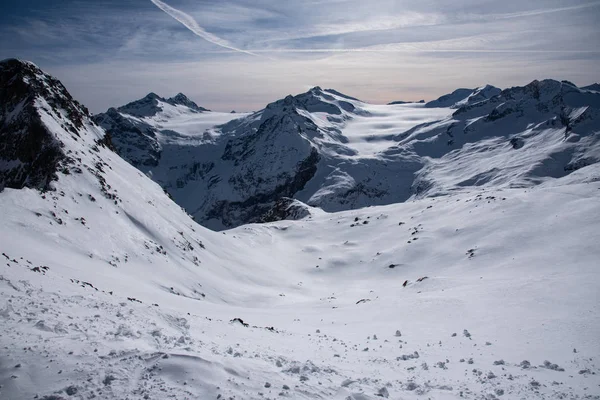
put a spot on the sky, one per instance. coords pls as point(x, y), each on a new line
point(242, 54)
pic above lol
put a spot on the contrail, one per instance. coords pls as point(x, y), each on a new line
point(417, 50)
point(189, 22)
point(544, 11)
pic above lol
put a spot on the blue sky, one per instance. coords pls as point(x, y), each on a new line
point(242, 54)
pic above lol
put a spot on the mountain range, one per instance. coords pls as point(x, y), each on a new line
point(399, 251)
point(335, 152)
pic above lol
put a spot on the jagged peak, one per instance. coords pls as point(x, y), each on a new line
point(548, 87)
point(149, 98)
point(182, 99)
point(314, 100)
point(145, 107)
point(13, 62)
point(547, 93)
point(23, 80)
point(152, 96)
point(39, 119)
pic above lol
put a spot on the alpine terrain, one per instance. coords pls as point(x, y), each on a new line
point(337, 153)
point(320, 248)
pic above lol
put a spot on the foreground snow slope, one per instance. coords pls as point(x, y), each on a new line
point(513, 273)
point(109, 290)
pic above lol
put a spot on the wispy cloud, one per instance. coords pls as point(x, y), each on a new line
point(189, 22)
point(109, 52)
point(542, 11)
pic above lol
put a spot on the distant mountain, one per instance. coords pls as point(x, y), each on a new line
point(518, 138)
point(182, 100)
point(152, 104)
point(327, 150)
point(594, 87)
point(448, 100)
point(139, 125)
point(405, 102)
point(478, 95)
point(464, 96)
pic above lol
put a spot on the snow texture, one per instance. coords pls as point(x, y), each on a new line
point(108, 289)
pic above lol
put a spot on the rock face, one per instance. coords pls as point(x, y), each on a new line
point(134, 140)
point(286, 209)
point(181, 99)
point(335, 152)
point(31, 155)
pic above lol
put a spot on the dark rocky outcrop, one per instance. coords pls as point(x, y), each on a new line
point(286, 209)
point(30, 155)
point(135, 141)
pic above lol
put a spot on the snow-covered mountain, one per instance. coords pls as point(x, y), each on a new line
point(73, 185)
point(335, 152)
point(463, 96)
point(31, 156)
point(595, 87)
point(152, 104)
point(109, 290)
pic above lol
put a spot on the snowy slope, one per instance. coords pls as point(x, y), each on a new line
point(109, 290)
point(335, 152)
point(520, 138)
point(513, 274)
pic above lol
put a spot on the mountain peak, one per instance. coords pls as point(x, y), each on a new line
point(448, 100)
point(152, 96)
point(149, 105)
point(15, 62)
point(26, 81)
point(180, 96)
point(38, 117)
point(144, 107)
point(487, 86)
point(183, 100)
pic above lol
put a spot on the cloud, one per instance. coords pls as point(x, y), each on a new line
point(111, 52)
point(543, 11)
point(189, 22)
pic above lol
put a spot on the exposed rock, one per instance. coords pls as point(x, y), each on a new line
point(286, 208)
point(30, 154)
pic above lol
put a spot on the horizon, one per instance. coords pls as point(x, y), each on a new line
point(238, 55)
